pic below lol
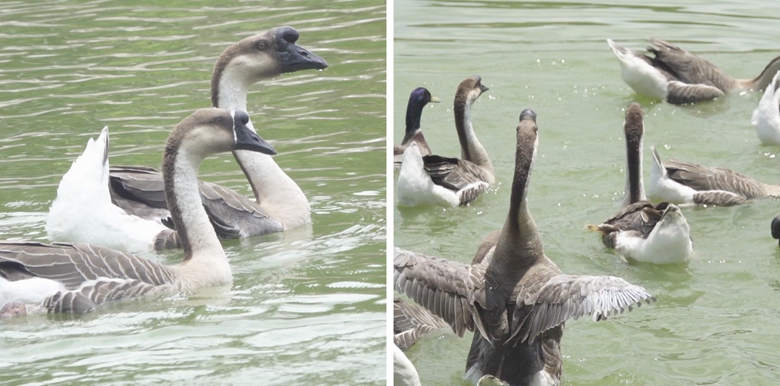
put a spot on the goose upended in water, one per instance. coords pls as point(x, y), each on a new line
point(512, 296)
point(640, 230)
point(139, 191)
point(682, 182)
point(36, 277)
point(436, 180)
point(413, 132)
point(678, 76)
point(766, 117)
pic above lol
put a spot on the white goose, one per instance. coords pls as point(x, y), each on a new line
point(678, 76)
point(682, 182)
point(436, 180)
point(512, 296)
point(279, 203)
point(640, 230)
point(766, 117)
point(76, 278)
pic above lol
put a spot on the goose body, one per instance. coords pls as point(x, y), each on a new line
point(413, 133)
point(766, 117)
point(512, 296)
point(436, 180)
point(640, 230)
point(78, 277)
point(678, 76)
point(138, 192)
point(688, 183)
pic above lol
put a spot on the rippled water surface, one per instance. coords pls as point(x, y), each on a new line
point(716, 321)
point(307, 307)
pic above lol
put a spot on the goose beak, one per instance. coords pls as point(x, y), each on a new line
point(294, 57)
point(247, 139)
point(484, 88)
point(435, 99)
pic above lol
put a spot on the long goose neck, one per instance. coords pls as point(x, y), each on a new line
point(762, 80)
point(180, 173)
point(635, 190)
point(519, 245)
point(470, 147)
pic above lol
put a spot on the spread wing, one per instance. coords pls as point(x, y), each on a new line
point(446, 288)
point(565, 297)
point(411, 321)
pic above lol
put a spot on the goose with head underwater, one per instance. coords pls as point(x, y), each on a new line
point(766, 117)
point(640, 230)
point(436, 180)
point(512, 296)
point(683, 182)
point(413, 132)
point(678, 76)
point(279, 202)
point(36, 277)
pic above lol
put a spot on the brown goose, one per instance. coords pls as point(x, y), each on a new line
point(640, 230)
point(410, 321)
point(279, 203)
point(688, 183)
point(512, 296)
point(78, 277)
point(413, 133)
point(436, 180)
point(678, 76)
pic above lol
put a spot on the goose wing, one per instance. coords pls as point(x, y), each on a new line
point(461, 176)
point(689, 68)
point(563, 297)
point(140, 190)
point(411, 321)
point(89, 275)
point(447, 288)
point(638, 218)
point(702, 178)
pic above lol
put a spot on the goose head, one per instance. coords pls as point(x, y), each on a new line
point(210, 131)
point(417, 100)
point(469, 90)
point(527, 144)
point(634, 129)
point(261, 56)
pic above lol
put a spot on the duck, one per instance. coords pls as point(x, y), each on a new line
point(279, 203)
point(413, 133)
point(77, 277)
point(640, 230)
point(680, 77)
point(766, 117)
point(512, 296)
point(444, 181)
point(682, 182)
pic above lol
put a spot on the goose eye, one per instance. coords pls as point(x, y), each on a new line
point(218, 120)
point(261, 45)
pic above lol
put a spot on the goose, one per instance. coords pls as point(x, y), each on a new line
point(678, 76)
point(766, 117)
point(436, 180)
point(640, 230)
point(512, 296)
point(413, 133)
point(279, 203)
point(404, 372)
point(682, 182)
point(410, 321)
point(77, 277)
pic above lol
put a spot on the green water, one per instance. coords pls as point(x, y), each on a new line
point(716, 321)
point(305, 308)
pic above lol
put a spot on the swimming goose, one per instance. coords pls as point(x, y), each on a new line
point(78, 277)
point(279, 203)
point(436, 180)
point(766, 117)
point(688, 183)
point(417, 101)
point(678, 76)
point(512, 296)
point(411, 321)
point(640, 230)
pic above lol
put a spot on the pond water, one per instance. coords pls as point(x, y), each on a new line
point(716, 321)
point(306, 307)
